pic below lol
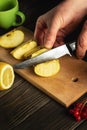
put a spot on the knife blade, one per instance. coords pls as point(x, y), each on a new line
point(54, 53)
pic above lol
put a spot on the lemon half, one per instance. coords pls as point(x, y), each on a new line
point(6, 76)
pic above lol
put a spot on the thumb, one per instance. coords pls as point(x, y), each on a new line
point(82, 42)
point(51, 34)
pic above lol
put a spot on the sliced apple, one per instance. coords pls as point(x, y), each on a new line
point(12, 39)
point(29, 53)
point(38, 52)
point(48, 68)
point(18, 52)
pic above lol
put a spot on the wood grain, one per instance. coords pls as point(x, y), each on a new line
point(60, 87)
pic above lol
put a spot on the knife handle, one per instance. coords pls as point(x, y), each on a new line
point(72, 49)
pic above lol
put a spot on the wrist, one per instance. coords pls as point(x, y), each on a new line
point(79, 5)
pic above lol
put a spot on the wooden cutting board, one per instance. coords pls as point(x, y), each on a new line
point(60, 87)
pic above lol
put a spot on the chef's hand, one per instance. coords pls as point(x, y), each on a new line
point(53, 26)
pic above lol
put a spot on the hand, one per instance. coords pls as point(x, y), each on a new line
point(53, 26)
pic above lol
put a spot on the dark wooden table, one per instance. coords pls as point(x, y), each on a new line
point(24, 107)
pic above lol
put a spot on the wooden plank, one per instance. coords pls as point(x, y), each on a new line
point(60, 87)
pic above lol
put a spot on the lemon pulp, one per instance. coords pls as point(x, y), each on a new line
point(6, 76)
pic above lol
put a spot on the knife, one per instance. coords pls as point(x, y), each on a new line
point(54, 53)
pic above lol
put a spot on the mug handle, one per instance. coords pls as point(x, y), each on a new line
point(22, 19)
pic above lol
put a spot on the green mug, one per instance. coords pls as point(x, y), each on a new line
point(9, 12)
